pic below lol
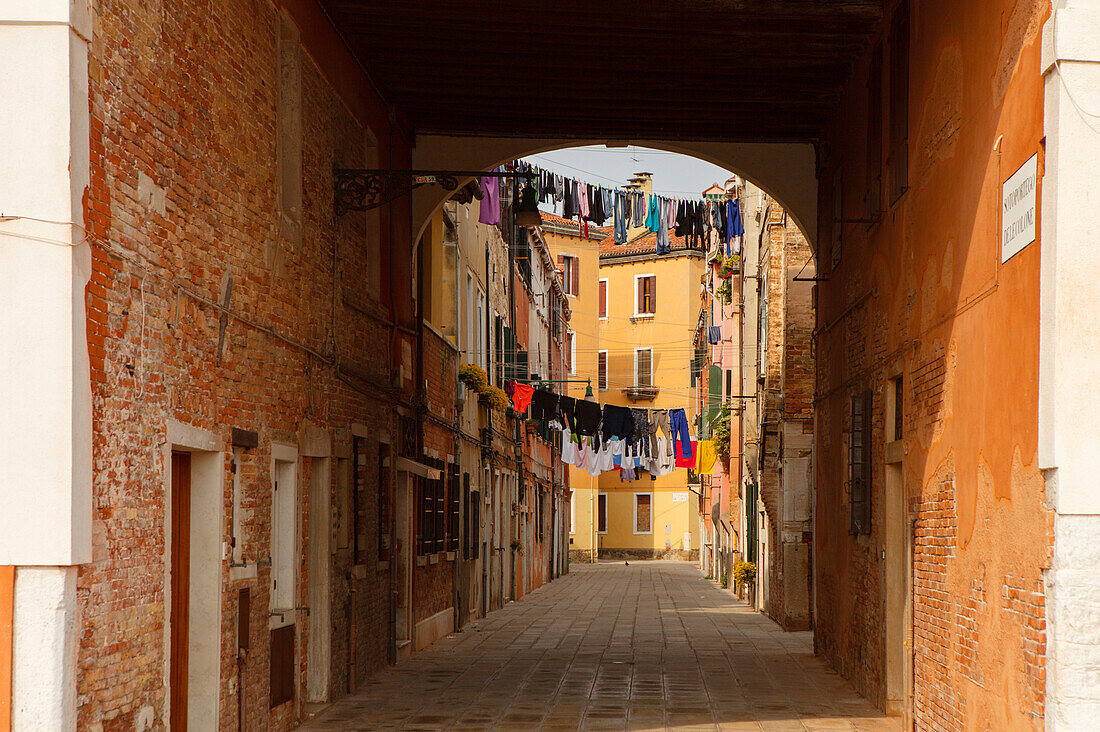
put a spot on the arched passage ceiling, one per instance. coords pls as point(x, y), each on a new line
point(715, 70)
point(784, 170)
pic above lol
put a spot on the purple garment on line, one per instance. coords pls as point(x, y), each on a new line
point(490, 204)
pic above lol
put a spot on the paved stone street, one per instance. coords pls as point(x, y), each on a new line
point(649, 646)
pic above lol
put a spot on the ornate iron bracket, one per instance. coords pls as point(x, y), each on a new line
point(360, 189)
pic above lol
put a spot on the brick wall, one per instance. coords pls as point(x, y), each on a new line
point(183, 200)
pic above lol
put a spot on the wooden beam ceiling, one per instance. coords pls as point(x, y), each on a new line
point(674, 69)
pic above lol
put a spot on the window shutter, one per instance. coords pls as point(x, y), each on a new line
point(645, 368)
point(652, 294)
point(603, 298)
point(859, 463)
point(639, 297)
point(576, 274)
point(602, 375)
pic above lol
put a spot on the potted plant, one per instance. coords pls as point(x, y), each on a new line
point(744, 575)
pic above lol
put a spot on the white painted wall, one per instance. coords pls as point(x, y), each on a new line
point(44, 649)
point(45, 387)
point(1069, 360)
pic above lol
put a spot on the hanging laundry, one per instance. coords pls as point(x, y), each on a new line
point(607, 204)
point(640, 435)
point(620, 218)
point(708, 456)
point(687, 461)
point(639, 209)
point(521, 396)
point(714, 335)
point(680, 434)
point(568, 452)
point(671, 213)
point(652, 219)
point(663, 246)
point(580, 455)
point(588, 417)
point(544, 405)
point(582, 198)
point(569, 200)
point(490, 205)
point(567, 412)
point(618, 422)
point(734, 227)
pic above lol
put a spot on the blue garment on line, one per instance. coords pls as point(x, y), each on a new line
point(620, 218)
point(734, 227)
point(714, 334)
point(679, 427)
point(651, 221)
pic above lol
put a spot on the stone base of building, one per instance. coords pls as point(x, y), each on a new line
point(580, 556)
point(691, 555)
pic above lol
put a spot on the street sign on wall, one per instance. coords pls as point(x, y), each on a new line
point(1018, 209)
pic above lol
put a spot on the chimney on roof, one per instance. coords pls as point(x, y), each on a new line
point(643, 181)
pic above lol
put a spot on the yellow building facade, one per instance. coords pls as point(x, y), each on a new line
point(634, 315)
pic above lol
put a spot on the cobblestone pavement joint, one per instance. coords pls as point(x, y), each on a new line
point(649, 646)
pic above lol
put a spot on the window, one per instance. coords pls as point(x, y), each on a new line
point(453, 511)
point(643, 367)
point(873, 194)
point(645, 297)
point(383, 493)
point(432, 510)
point(481, 334)
point(729, 384)
point(894, 410)
point(603, 299)
point(601, 513)
point(602, 371)
point(899, 102)
point(283, 535)
point(571, 350)
point(643, 513)
point(572, 512)
point(570, 274)
point(859, 463)
point(360, 490)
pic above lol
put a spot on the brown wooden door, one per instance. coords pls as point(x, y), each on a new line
point(181, 570)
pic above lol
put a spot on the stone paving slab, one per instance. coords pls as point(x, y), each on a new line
point(650, 646)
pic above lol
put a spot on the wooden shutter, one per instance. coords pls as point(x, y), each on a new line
point(899, 102)
point(643, 504)
point(873, 194)
point(384, 540)
point(575, 275)
point(645, 367)
point(282, 665)
point(453, 501)
point(652, 294)
point(859, 463)
point(601, 511)
point(640, 295)
point(603, 298)
point(602, 371)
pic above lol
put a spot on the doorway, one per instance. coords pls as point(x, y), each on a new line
point(179, 610)
point(195, 484)
point(318, 620)
point(406, 489)
point(898, 565)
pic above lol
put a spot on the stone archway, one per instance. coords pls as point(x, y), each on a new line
point(785, 171)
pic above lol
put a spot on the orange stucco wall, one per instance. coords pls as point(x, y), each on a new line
point(7, 599)
point(922, 293)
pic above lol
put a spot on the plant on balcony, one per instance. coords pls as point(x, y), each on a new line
point(496, 397)
point(474, 377)
point(744, 573)
point(730, 266)
point(721, 432)
point(725, 292)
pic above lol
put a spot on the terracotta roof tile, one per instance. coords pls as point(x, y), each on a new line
point(644, 242)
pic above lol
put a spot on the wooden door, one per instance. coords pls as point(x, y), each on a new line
point(180, 557)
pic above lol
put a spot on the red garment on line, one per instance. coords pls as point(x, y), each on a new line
point(681, 461)
point(521, 397)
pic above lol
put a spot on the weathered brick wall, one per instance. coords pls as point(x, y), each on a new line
point(921, 294)
point(183, 196)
